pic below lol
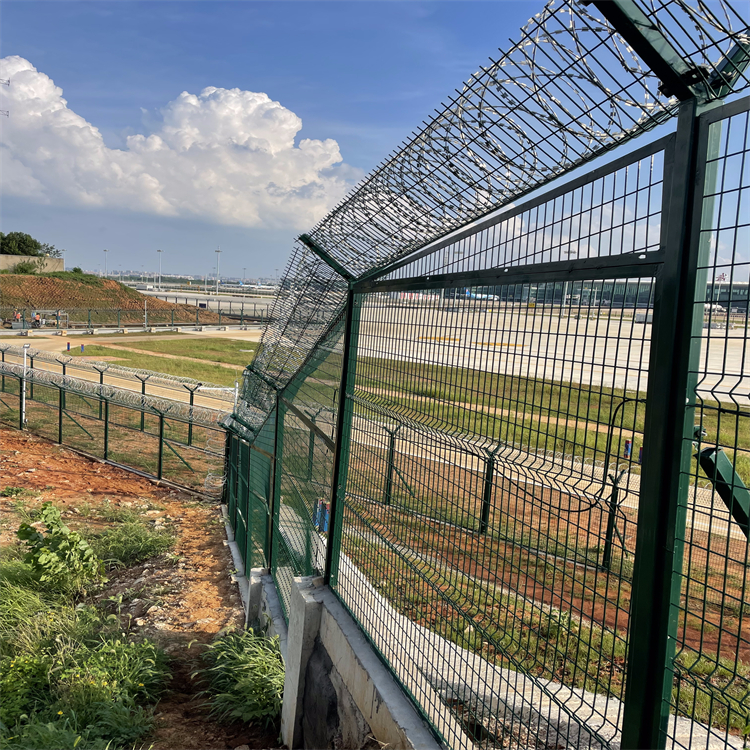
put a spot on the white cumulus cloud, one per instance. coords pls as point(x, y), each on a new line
point(224, 155)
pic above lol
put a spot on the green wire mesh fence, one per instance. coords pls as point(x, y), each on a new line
point(480, 399)
point(182, 445)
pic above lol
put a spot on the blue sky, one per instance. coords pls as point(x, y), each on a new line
point(360, 74)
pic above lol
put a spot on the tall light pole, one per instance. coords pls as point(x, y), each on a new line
point(105, 262)
point(218, 258)
point(159, 251)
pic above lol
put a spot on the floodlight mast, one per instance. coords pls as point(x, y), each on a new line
point(218, 258)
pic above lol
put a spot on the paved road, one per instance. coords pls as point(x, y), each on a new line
point(597, 351)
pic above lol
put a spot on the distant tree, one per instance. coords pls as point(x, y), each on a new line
point(19, 243)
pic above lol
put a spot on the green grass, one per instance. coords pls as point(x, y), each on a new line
point(70, 676)
point(205, 373)
point(245, 677)
point(212, 349)
point(129, 543)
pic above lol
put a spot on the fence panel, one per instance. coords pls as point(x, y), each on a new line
point(712, 663)
point(186, 453)
point(514, 520)
point(305, 464)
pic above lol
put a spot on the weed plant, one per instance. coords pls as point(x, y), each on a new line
point(70, 677)
point(130, 543)
point(245, 676)
point(58, 555)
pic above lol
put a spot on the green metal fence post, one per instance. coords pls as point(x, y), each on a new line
point(343, 436)
point(88, 325)
point(172, 317)
point(3, 355)
point(101, 382)
point(63, 392)
point(106, 429)
point(190, 422)
point(60, 408)
point(197, 320)
point(662, 508)
point(219, 314)
point(390, 465)
point(160, 460)
point(276, 468)
point(242, 314)
point(310, 451)
point(489, 483)
point(118, 317)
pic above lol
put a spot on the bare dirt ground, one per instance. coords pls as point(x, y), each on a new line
point(181, 600)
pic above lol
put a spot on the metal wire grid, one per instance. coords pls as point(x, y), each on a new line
point(308, 302)
point(211, 395)
point(107, 317)
point(165, 448)
point(569, 88)
point(305, 455)
point(711, 37)
point(124, 397)
point(492, 490)
point(712, 666)
point(614, 211)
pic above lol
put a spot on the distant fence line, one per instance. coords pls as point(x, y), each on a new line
point(172, 386)
point(98, 317)
point(157, 437)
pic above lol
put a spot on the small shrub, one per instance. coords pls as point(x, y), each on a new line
point(130, 543)
point(114, 670)
point(42, 734)
point(59, 556)
point(24, 685)
point(245, 676)
point(14, 492)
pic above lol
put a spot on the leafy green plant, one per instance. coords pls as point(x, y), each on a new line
point(24, 684)
point(58, 555)
point(245, 676)
point(13, 492)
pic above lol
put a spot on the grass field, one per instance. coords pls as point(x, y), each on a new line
point(209, 350)
point(228, 351)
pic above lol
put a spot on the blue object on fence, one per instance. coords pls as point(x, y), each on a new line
point(68, 345)
point(81, 348)
point(628, 448)
point(321, 515)
point(640, 455)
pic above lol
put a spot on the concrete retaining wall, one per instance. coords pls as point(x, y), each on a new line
point(49, 264)
point(337, 693)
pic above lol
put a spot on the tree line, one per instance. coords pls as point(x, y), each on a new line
point(19, 243)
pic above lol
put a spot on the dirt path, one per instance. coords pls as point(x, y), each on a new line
point(181, 601)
